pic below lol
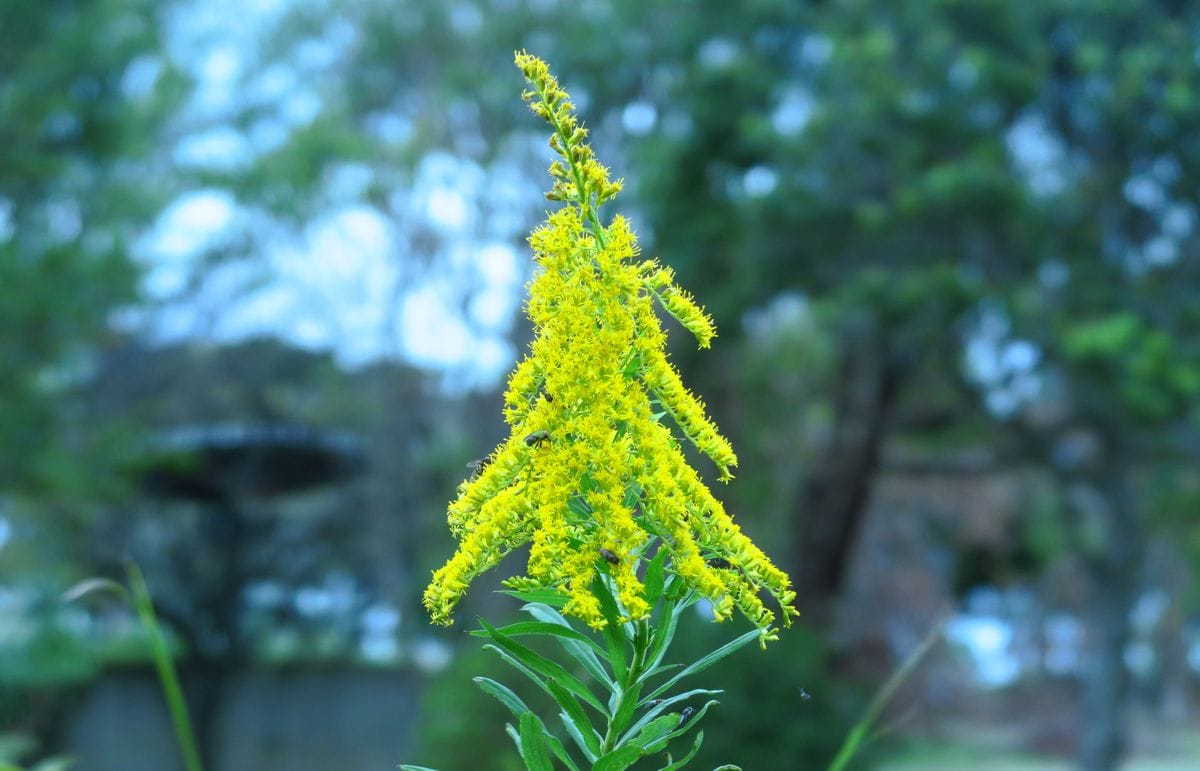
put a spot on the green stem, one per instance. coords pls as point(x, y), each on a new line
point(584, 198)
point(627, 687)
point(172, 691)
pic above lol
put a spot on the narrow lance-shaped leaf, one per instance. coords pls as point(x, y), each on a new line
point(533, 744)
point(544, 667)
point(688, 757)
point(619, 760)
point(707, 661)
point(662, 706)
point(588, 655)
point(577, 716)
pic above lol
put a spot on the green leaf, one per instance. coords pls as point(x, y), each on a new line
point(503, 694)
point(588, 656)
point(664, 633)
point(707, 661)
point(539, 628)
point(633, 494)
point(516, 664)
point(686, 758)
point(579, 506)
point(544, 667)
point(549, 597)
point(578, 737)
point(655, 730)
point(533, 744)
point(559, 750)
point(518, 708)
point(655, 576)
point(624, 713)
point(661, 743)
point(575, 714)
point(614, 636)
point(619, 759)
point(631, 366)
point(662, 706)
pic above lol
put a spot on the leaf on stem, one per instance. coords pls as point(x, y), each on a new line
point(574, 714)
point(533, 744)
point(545, 596)
point(655, 576)
point(686, 758)
point(661, 743)
point(662, 706)
point(707, 661)
point(503, 694)
point(542, 666)
point(619, 759)
point(589, 655)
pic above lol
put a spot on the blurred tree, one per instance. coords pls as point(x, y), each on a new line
point(985, 210)
point(993, 197)
point(83, 94)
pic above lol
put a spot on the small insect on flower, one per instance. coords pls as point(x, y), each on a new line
point(537, 437)
point(686, 715)
point(720, 564)
point(477, 466)
point(610, 556)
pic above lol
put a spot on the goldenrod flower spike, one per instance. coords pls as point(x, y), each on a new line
point(589, 473)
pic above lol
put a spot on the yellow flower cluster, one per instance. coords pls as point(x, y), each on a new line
point(590, 473)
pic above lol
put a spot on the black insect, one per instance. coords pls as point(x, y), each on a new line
point(610, 556)
point(686, 715)
point(549, 398)
point(537, 437)
point(719, 563)
point(477, 466)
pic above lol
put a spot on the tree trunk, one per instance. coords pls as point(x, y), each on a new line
point(835, 494)
point(1114, 569)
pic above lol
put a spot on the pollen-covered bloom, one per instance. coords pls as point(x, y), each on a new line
point(592, 470)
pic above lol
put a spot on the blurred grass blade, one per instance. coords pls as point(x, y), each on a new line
point(172, 691)
point(861, 731)
point(94, 586)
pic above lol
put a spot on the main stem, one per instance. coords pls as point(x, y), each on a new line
point(584, 196)
point(626, 689)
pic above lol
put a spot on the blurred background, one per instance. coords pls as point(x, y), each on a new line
point(261, 275)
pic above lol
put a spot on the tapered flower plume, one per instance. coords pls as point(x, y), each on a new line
point(592, 472)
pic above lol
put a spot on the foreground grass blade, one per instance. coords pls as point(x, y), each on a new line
point(860, 734)
point(167, 677)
